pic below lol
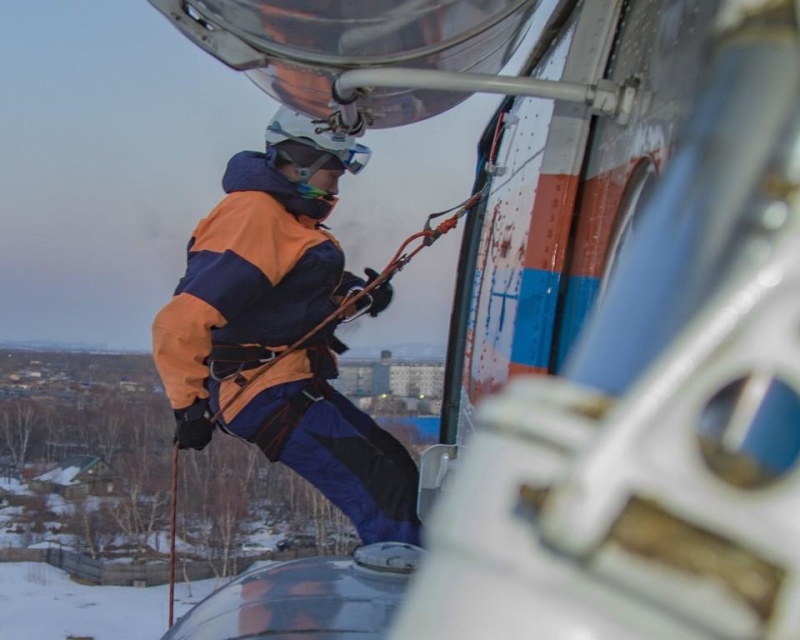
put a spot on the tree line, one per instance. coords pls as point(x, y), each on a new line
point(222, 490)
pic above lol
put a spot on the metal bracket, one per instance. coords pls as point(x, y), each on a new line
point(436, 463)
point(352, 122)
point(223, 45)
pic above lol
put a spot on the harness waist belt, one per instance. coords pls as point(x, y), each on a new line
point(278, 426)
point(229, 360)
point(237, 353)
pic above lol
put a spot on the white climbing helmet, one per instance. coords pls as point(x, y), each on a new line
point(287, 124)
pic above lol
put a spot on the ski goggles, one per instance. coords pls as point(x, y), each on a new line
point(355, 158)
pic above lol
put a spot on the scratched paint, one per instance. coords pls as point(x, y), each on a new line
point(531, 295)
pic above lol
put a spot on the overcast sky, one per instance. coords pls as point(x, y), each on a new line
point(114, 133)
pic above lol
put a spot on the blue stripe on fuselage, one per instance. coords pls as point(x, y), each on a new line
point(580, 296)
point(536, 309)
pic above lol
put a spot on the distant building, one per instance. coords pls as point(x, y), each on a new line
point(355, 378)
point(76, 477)
point(382, 375)
point(424, 379)
point(360, 378)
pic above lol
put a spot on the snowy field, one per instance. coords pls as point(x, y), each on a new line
point(257, 537)
point(40, 602)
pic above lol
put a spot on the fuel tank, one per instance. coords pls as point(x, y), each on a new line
point(308, 43)
point(321, 597)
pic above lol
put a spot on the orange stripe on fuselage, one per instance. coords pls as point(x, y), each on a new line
point(551, 219)
point(516, 369)
point(257, 228)
point(599, 204)
point(600, 200)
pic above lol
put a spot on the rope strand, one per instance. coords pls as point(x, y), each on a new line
point(173, 519)
point(396, 264)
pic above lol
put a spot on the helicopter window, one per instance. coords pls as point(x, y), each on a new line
point(749, 431)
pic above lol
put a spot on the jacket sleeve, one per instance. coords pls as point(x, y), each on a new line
point(181, 342)
point(347, 282)
point(233, 257)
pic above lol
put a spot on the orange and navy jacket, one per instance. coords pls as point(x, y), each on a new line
point(256, 274)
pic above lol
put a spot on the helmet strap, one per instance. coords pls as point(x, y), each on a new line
point(304, 173)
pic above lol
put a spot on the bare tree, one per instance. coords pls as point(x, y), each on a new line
point(108, 433)
point(18, 423)
point(88, 521)
point(141, 509)
point(228, 468)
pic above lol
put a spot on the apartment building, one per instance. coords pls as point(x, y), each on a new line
point(385, 377)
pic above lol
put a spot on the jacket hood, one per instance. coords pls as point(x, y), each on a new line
point(255, 171)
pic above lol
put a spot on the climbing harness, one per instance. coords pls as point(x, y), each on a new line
point(276, 429)
point(228, 361)
point(429, 235)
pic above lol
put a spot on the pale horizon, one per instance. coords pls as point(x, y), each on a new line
point(116, 133)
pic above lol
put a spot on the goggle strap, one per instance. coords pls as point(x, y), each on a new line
point(307, 191)
point(304, 173)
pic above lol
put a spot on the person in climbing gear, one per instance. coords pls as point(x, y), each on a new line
point(262, 272)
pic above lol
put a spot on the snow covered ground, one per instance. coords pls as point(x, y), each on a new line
point(257, 537)
point(41, 602)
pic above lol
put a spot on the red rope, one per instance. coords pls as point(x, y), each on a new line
point(448, 224)
point(498, 127)
point(399, 261)
point(172, 532)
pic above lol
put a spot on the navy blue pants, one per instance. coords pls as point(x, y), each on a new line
point(359, 467)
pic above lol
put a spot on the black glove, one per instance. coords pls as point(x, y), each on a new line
point(350, 286)
point(194, 428)
point(381, 295)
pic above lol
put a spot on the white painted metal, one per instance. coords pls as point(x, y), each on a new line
point(436, 467)
point(487, 575)
point(748, 327)
point(734, 12)
point(586, 63)
point(604, 97)
point(546, 138)
point(504, 564)
point(498, 570)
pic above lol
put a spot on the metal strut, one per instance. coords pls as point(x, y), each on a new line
point(605, 98)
